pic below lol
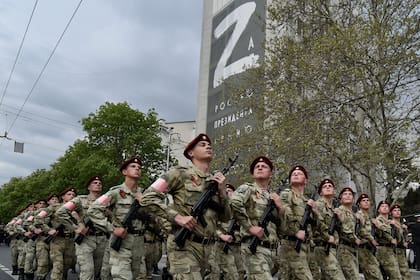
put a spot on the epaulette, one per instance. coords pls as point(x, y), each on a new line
point(243, 188)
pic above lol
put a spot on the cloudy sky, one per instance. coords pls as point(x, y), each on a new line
point(143, 52)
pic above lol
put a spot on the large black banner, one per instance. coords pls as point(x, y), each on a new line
point(236, 45)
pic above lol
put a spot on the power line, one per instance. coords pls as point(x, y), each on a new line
point(45, 65)
point(18, 53)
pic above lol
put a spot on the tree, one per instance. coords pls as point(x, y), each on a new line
point(338, 91)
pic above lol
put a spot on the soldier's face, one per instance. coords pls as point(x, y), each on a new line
point(327, 189)
point(68, 196)
point(298, 177)
point(364, 204)
point(133, 170)
point(53, 201)
point(262, 171)
point(95, 186)
point(383, 209)
point(347, 197)
point(396, 212)
point(202, 151)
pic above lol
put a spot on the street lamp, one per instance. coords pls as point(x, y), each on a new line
point(168, 151)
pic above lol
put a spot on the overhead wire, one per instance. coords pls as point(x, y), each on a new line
point(45, 65)
point(18, 53)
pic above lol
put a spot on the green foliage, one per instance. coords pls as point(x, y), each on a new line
point(114, 133)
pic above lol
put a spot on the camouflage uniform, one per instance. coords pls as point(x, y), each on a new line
point(328, 264)
point(153, 238)
point(347, 249)
point(186, 184)
point(401, 255)
point(294, 204)
point(128, 262)
point(369, 265)
point(91, 251)
point(248, 204)
point(62, 245)
point(10, 229)
point(384, 252)
point(42, 249)
point(20, 231)
point(30, 246)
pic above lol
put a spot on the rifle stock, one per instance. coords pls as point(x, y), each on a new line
point(230, 231)
point(201, 205)
point(49, 238)
point(305, 220)
point(333, 224)
point(78, 238)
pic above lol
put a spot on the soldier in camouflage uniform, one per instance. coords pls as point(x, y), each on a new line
point(229, 264)
point(41, 230)
point(368, 263)
point(384, 251)
point(14, 240)
point(294, 203)
point(20, 227)
point(327, 263)
point(30, 237)
point(153, 238)
point(186, 185)
point(91, 250)
point(401, 233)
point(248, 204)
point(128, 262)
point(349, 240)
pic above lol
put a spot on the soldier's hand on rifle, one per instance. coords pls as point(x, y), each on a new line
point(220, 179)
point(38, 231)
point(28, 234)
point(301, 235)
point(312, 203)
point(358, 241)
point(338, 213)
point(75, 215)
point(138, 196)
point(375, 222)
point(186, 221)
point(374, 242)
point(81, 230)
point(331, 239)
point(394, 242)
point(226, 238)
point(120, 232)
point(257, 231)
point(277, 201)
point(52, 232)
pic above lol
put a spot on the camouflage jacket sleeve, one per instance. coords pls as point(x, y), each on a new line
point(384, 230)
point(347, 225)
point(239, 207)
point(365, 227)
point(64, 213)
point(43, 218)
point(294, 205)
point(325, 214)
point(98, 209)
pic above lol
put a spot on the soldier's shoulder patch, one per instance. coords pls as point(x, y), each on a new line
point(243, 188)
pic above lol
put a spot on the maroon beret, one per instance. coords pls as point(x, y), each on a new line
point(260, 159)
point(298, 167)
point(93, 178)
point(323, 182)
point(51, 196)
point(192, 143)
point(39, 200)
point(346, 189)
point(362, 196)
point(68, 190)
point(125, 163)
point(394, 206)
point(380, 203)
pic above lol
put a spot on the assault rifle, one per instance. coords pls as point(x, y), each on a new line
point(333, 224)
point(230, 231)
point(373, 233)
point(201, 205)
point(394, 236)
point(265, 218)
point(305, 219)
point(126, 222)
point(78, 238)
point(59, 229)
point(355, 209)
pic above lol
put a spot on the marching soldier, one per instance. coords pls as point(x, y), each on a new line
point(14, 237)
point(384, 252)
point(349, 240)
point(368, 263)
point(248, 204)
point(186, 185)
point(41, 229)
point(91, 250)
point(127, 262)
point(294, 203)
point(327, 262)
point(401, 232)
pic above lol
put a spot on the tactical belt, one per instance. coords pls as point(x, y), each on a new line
point(66, 235)
point(290, 238)
point(385, 245)
point(201, 240)
point(347, 243)
point(136, 232)
point(324, 244)
point(265, 244)
point(231, 244)
point(367, 246)
point(96, 233)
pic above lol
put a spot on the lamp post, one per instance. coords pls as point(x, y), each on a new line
point(168, 151)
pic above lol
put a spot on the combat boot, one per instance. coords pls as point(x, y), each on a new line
point(15, 270)
point(21, 274)
point(29, 276)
